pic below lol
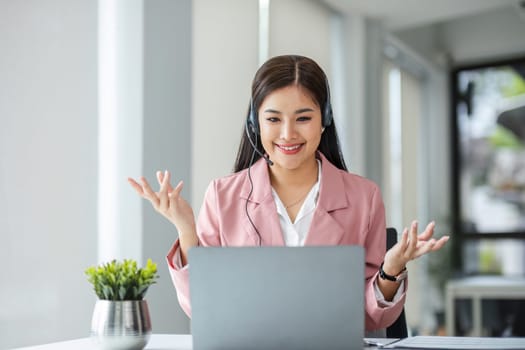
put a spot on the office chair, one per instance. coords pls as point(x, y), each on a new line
point(398, 329)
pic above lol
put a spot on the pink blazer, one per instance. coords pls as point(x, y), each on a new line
point(349, 211)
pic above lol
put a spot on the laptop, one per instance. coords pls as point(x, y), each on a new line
point(277, 297)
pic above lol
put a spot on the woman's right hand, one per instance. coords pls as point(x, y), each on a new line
point(168, 202)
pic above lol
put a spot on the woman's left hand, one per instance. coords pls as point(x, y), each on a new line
point(411, 246)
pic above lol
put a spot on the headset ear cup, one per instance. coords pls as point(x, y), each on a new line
point(252, 120)
point(251, 123)
point(327, 115)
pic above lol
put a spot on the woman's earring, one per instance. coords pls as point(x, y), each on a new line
point(322, 130)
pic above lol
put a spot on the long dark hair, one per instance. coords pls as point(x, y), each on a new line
point(279, 72)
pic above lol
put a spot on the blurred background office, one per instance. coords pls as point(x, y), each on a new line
point(92, 92)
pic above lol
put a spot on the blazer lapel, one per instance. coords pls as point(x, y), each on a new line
point(261, 207)
point(324, 230)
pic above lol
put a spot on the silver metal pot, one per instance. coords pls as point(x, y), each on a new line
point(121, 325)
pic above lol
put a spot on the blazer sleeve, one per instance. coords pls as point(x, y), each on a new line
point(376, 315)
point(208, 233)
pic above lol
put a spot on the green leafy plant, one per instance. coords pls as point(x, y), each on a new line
point(122, 280)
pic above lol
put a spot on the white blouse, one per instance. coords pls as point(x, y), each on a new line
point(295, 232)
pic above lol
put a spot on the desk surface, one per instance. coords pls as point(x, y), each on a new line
point(156, 342)
point(183, 342)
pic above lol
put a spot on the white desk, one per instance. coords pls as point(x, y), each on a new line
point(478, 288)
point(156, 342)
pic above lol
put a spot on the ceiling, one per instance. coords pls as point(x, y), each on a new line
point(403, 14)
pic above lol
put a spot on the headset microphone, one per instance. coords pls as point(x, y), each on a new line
point(266, 158)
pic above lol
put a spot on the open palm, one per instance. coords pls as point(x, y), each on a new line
point(167, 201)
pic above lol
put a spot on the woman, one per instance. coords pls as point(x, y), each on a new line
point(291, 187)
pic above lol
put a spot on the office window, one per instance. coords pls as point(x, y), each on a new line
point(489, 166)
point(489, 124)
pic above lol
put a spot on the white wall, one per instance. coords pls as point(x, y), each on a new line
point(48, 168)
point(348, 88)
point(167, 141)
point(303, 28)
point(225, 58)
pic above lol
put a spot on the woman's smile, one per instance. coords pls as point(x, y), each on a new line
point(290, 149)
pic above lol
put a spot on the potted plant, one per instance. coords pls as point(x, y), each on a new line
point(121, 317)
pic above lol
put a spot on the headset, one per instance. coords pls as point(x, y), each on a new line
point(327, 115)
